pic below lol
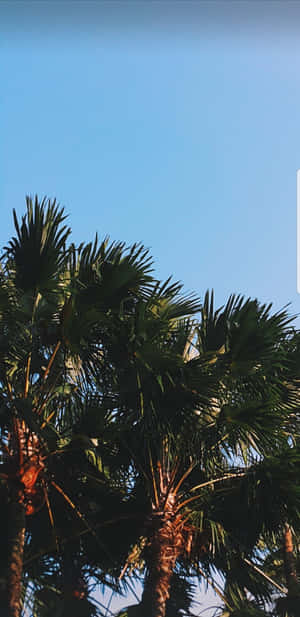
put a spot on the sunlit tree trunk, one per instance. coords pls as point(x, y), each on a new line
point(290, 563)
point(15, 552)
point(22, 474)
point(165, 546)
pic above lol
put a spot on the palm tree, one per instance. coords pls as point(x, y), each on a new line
point(198, 404)
point(182, 410)
point(56, 306)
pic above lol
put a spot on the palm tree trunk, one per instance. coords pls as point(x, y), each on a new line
point(289, 563)
point(16, 551)
point(164, 548)
point(20, 490)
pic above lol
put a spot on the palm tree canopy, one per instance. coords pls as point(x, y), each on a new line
point(130, 407)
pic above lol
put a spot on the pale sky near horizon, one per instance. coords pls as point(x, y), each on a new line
point(176, 124)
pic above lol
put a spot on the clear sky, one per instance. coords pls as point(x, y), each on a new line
point(172, 123)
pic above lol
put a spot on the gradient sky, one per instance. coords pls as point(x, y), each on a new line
point(176, 124)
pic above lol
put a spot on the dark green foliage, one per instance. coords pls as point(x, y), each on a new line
point(38, 251)
point(131, 392)
point(288, 607)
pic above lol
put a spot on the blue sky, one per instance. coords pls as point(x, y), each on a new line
point(176, 124)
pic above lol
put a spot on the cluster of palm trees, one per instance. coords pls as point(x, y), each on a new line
point(144, 435)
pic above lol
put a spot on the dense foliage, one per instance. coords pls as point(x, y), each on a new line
point(144, 435)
